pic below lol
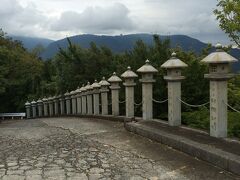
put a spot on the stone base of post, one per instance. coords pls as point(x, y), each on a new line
point(96, 104)
point(34, 112)
point(218, 108)
point(28, 113)
point(74, 105)
point(115, 102)
point(62, 107)
point(129, 91)
point(45, 109)
point(147, 101)
point(174, 103)
point(40, 111)
point(79, 105)
point(104, 99)
point(56, 107)
point(68, 106)
point(84, 105)
point(89, 105)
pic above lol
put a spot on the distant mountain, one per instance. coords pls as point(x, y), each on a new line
point(236, 53)
point(117, 44)
point(31, 42)
point(122, 43)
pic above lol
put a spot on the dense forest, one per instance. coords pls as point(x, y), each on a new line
point(24, 76)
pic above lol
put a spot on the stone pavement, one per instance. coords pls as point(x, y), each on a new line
point(78, 148)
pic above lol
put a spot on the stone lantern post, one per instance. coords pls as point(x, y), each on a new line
point(62, 105)
point(28, 110)
point(96, 92)
point(79, 101)
point(68, 103)
point(45, 106)
point(74, 102)
point(219, 73)
point(40, 108)
point(50, 103)
point(174, 78)
point(84, 100)
point(104, 95)
point(129, 84)
point(147, 80)
point(89, 99)
point(75, 97)
point(34, 109)
point(114, 81)
point(56, 105)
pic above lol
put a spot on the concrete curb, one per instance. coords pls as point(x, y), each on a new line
point(218, 157)
point(104, 117)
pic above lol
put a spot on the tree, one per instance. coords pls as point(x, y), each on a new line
point(37, 50)
point(20, 74)
point(228, 14)
point(234, 92)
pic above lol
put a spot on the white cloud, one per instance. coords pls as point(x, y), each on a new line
point(96, 20)
point(19, 20)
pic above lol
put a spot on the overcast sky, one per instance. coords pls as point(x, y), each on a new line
point(56, 19)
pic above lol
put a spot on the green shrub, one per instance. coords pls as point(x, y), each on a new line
point(234, 124)
point(200, 119)
point(197, 119)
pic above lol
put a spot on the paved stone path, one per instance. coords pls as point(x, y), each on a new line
point(74, 148)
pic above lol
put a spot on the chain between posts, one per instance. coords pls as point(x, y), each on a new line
point(137, 104)
point(122, 102)
point(192, 105)
point(159, 102)
point(231, 107)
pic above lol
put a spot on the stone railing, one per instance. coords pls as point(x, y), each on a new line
point(92, 99)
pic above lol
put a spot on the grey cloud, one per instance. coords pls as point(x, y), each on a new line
point(96, 20)
point(18, 20)
point(9, 8)
point(191, 17)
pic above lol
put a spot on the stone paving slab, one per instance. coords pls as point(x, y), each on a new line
point(220, 152)
point(76, 148)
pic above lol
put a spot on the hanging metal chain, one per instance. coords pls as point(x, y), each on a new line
point(122, 102)
point(137, 104)
point(231, 107)
point(192, 105)
point(159, 102)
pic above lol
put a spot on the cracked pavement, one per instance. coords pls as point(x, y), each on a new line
point(78, 148)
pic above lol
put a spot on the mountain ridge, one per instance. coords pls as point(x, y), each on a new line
point(121, 43)
point(31, 42)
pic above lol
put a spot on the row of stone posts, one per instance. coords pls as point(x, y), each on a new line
point(88, 99)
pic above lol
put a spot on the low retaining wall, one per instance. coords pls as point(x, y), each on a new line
point(105, 117)
point(216, 156)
